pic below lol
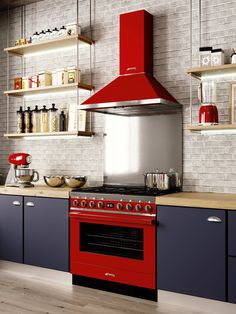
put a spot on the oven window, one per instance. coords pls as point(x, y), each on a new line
point(112, 240)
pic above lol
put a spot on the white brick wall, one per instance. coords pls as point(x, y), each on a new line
point(209, 161)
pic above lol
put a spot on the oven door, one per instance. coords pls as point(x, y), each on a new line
point(113, 247)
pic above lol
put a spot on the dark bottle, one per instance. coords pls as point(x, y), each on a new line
point(28, 120)
point(20, 121)
point(62, 121)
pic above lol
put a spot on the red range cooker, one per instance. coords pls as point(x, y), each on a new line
point(113, 239)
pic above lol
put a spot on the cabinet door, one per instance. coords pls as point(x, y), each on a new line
point(232, 279)
point(11, 228)
point(46, 234)
point(232, 233)
point(191, 251)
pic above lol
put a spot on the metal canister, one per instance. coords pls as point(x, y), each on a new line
point(20, 121)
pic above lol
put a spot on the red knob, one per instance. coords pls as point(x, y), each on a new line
point(119, 206)
point(92, 204)
point(75, 202)
point(83, 203)
point(138, 207)
point(148, 208)
point(100, 205)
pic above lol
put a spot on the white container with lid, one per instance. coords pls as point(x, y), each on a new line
point(62, 76)
point(54, 78)
point(205, 56)
point(217, 57)
point(233, 56)
point(73, 75)
point(44, 78)
point(73, 29)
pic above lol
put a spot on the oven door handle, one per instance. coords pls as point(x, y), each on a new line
point(112, 218)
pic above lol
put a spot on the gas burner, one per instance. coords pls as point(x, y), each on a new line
point(125, 190)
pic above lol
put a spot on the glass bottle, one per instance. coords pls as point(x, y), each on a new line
point(53, 119)
point(48, 34)
point(28, 120)
point(62, 121)
point(44, 119)
point(20, 121)
point(36, 120)
point(35, 37)
point(41, 35)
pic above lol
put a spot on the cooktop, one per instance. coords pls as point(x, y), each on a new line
point(125, 189)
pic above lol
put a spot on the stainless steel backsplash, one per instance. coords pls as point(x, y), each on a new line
point(135, 145)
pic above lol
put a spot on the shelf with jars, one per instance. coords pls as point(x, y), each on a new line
point(49, 83)
point(210, 71)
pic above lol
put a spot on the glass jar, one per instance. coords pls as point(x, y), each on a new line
point(48, 34)
point(62, 32)
point(20, 121)
point(44, 119)
point(28, 120)
point(41, 35)
point(36, 120)
point(35, 37)
point(55, 32)
point(62, 121)
point(53, 119)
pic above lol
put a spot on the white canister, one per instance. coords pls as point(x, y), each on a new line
point(217, 57)
point(54, 78)
point(62, 77)
point(45, 78)
point(26, 82)
point(73, 75)
point(73, 29)
point(205, 56)
point(233, 56)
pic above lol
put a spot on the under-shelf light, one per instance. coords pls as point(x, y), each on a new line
point(46, 51)
point(218, 132)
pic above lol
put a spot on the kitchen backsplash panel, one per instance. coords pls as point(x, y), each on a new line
point(208, 161)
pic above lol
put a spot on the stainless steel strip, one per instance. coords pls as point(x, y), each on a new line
point(112, 212)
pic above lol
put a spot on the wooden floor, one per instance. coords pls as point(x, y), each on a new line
point(26, 289)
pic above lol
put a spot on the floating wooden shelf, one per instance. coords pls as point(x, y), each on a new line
point(218, 127)
point(213, 70)
point(49, 45)
point(48, 89)
point(52, 134)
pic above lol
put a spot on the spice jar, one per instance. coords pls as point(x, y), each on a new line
point(53, 119)
point(28, 120)
point(36, 120)
point(44, 119)
point(54, 78)
point(34, 81)
point(20, 121)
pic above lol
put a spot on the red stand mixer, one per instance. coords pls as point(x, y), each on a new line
point(20, 175)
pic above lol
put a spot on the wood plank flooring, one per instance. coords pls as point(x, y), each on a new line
point(25, 289)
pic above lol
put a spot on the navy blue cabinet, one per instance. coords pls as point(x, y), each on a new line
point(232, 256)
point(11, 228)
point(191, 251)
point(46, 232)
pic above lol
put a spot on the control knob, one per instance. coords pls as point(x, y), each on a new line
point(128, 206)
point(83, 203)
point(75, 202)
point(119, 206)
point(100, 205)
point(148, 208)
point(138, 207)
point(92, 204)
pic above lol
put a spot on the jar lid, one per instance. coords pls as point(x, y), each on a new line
point(20, 110)
point(36, 109)
point(53, 108)
point(217, 50)
point(55, 29)
point(72, 68)
point(63, 27)
point(44, 109)
point(205, 49)
point(45, 72)
point(28, 109)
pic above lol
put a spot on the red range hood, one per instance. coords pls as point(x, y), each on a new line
point(135, 91)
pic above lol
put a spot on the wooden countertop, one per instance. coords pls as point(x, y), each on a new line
point(198, 199)
point(37, 190)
